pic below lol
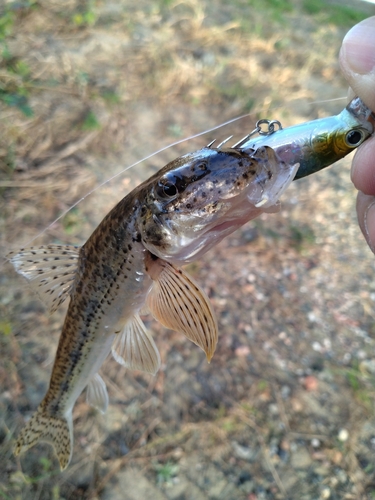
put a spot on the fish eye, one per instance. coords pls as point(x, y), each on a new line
point(354, 138)
point(166, 189)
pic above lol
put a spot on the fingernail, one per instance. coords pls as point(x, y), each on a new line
point(370, 226)
point(358, 47)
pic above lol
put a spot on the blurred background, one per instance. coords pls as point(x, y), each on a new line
point(285, 410)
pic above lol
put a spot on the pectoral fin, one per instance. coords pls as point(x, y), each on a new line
point(181, 305)
point(135, 348)
point(96, 393)
point(49, 269)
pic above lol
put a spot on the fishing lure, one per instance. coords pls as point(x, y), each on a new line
point(316, 144)
point(133, 257)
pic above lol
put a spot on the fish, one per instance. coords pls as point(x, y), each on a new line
point(133, 260)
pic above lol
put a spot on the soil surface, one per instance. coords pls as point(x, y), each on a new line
point(285, 410)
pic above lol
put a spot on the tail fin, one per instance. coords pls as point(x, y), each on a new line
point(58, 431)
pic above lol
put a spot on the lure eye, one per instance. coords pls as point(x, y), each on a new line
point(166, 189)
point(354, 138)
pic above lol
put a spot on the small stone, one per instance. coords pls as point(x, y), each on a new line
point(242, 351)
point(323, 470)
point(326, 493)
point(243, 452)
point(285, 391)
point(285, 445)
point(347, 357)
point(273, 409)
point(317, 347)
point(310, 383)
point(311, 317)
point(333, 481)
point(343, 435)
point(341, 476)
point(296, 405)
point(301, 459)
point(315, 443)
point(336, 457)
point(368, 365)
point(327, 344)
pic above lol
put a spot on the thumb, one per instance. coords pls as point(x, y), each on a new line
point(366, 218)
point(357, 60)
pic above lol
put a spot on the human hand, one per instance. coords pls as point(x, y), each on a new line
point(357, 59)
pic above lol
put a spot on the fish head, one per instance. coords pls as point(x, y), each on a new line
point(199, 198)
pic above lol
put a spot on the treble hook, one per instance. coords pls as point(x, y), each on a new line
point(258, 130)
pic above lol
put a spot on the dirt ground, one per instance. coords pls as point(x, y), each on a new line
point(285, 410)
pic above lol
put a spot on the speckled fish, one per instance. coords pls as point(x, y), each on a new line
point(131, 260)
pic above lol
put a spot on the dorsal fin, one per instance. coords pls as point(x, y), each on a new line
point(50, 270)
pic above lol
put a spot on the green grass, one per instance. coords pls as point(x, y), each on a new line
point(302, 237)
point(17, 98)
point(5, 328)
point(14, 89)
point(166, 472)
point(340, 15)
point(90, 122)
point(6, 24)
point(276, 9)
point(86, 16)
point(72, 222)
point(359, 384)
point(4, 495)
point(110, 97)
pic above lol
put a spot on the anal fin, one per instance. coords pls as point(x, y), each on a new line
point(96, 393)
point(135, 348)
point(181, 305)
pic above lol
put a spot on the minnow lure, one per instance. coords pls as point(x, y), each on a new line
point(318, 143)
point(132, 259)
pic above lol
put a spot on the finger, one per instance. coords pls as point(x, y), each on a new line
point(357, 60)
point(366, 218)
point(363, 167)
